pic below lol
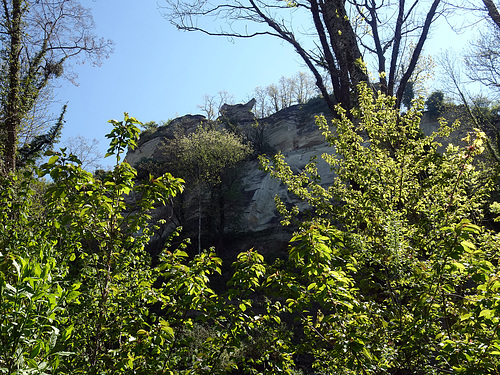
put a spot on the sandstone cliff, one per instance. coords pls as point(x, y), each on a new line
point(292, 131)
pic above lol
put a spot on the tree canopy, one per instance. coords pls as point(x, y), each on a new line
point(345, 39)
point(206, 159)
point(40, 38)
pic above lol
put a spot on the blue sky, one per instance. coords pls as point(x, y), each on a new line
point(157, 72)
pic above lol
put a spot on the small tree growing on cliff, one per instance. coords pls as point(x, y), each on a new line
point(212, 104)
point(297, 89)
point(204, 159)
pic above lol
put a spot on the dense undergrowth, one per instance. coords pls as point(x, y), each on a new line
point(391, 271)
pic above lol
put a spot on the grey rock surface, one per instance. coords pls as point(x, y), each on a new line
point(238, 113)
point(291, 131)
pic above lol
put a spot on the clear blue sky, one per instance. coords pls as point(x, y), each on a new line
point(157, 72)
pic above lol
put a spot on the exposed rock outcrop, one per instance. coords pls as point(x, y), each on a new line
point(238, 113)
point(292, 131)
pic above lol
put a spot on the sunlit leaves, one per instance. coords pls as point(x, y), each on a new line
point(88, 282)
point(407, 282)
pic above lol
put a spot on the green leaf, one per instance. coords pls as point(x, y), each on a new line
point(459, 266)
point(36, 349)
point(466, 316)
point(367, 353)
point(169, 331)
point(467, 245)
point(471, 228)
point(66, 333)
point(53, 159)
point(487, 313)
point(53, 337)
point(311, 286)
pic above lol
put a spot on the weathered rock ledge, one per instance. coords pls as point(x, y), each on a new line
point(292, 131)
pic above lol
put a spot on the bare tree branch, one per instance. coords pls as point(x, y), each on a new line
point(492, 12)
point(381, 28)
point(417, 52)
point(41, 35)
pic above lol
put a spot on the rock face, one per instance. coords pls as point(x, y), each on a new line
point(238, 113)
point(292, 131)
point(149, 145)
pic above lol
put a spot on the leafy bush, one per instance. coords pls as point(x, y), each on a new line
point(78, 292)
point(33, 321)
point(391, 274)
point(76, 285)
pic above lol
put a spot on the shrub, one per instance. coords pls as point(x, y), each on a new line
point(392, 273)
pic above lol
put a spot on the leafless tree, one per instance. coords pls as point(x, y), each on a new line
point(40, 39)
point(483, 59)
point(212, 104)
point(39, 117)
point(304, 88)
point(86, 150)
point(456, 90)
point(483, 56)
point(297, 89)
point(347, 35)
point(261, 108)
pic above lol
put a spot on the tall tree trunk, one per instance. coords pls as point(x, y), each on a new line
point(396, 47)
point(12, 120)
point(290, 38)
point(492, 11)
point(345, 47)
point(222, 218)
point(200, 191)
point(416, 53)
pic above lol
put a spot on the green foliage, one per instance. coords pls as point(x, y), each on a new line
point(206, 159)
point(78, 292)
point(149, 126)
point(81, 304)
point(41, 143)
point(435, 103)
point(390, 274)
point(408, 94)
point(32, 297)
point(148, 129)
point(124, 135)
point(105, 233)
point(205, 154)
